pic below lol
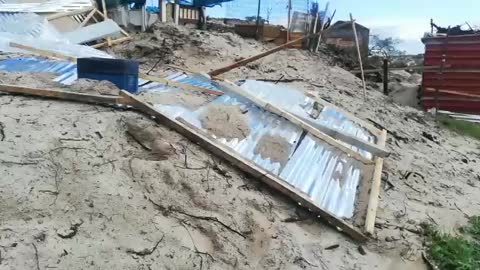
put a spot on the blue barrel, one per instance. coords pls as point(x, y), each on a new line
point(122, 73)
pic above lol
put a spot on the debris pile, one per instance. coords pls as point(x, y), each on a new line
point(90, 186)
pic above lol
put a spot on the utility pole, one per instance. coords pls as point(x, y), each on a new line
point(257, 34)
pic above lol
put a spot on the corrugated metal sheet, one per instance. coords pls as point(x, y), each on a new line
point(327, 175)
point(303, 106)
point(459, 82)
point(67, 71)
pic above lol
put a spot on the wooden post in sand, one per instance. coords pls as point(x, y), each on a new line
point(359, 56)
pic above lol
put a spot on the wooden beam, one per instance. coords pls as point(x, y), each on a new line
point(224, 152)
point(58, 94)
point(89, 16)
point(180, 85)
point(375, 189)
point(296, 121)
point(43, 52)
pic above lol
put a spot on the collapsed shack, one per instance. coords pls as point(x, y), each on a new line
point(348, 201)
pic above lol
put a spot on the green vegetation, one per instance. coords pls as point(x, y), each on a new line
point(460, 127)
point(456, 252)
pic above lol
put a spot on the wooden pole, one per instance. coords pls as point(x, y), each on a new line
point(385, 76)
point(322, 27)
point(104, 7)
point(359, 57)
point(375, 189)
point(289, 19)
point(257, 32)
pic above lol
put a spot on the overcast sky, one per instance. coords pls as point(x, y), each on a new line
point(407, 20)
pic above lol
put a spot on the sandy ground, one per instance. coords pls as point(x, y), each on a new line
point(80, 192)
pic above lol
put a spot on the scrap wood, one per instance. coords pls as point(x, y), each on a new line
point(320, 134)
point(375, 189)
point(204, 140)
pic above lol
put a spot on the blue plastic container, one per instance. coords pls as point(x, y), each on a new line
point(122, 73)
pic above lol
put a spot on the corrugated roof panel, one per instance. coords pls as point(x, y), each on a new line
point(327, 175)
point(67, 71)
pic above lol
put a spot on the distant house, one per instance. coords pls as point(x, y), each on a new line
point(341, 35)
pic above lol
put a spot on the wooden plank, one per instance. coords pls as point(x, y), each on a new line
point(375, 189)
point(224, 152)
point(368, 126)
point(180, 85)
point(58, 94)
point(360, 62)
point(296, 121)
point(43, 52)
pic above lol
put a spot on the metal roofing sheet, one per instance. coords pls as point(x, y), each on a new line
point(327, 175)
